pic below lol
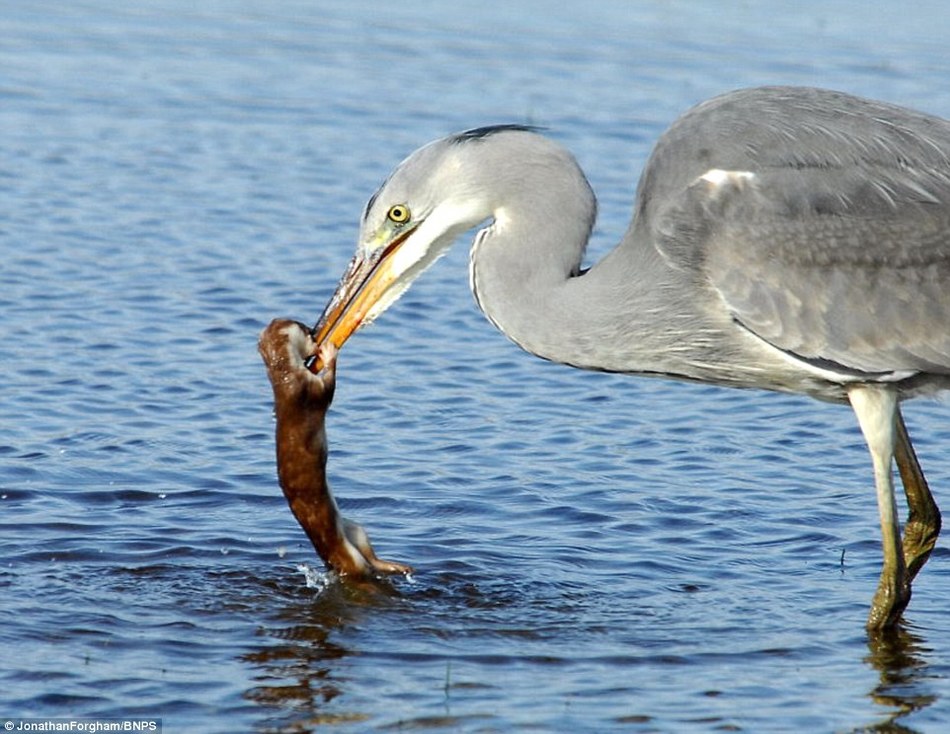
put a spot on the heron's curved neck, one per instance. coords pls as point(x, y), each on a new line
point(525, 274)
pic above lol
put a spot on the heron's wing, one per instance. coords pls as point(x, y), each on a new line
point(846, 267)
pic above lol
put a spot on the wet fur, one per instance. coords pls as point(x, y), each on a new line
point(301, 401)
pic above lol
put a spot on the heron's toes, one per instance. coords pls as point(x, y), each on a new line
point(890, 601)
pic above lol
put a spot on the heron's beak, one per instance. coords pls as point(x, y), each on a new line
point(366, 279)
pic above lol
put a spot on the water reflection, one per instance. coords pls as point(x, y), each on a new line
point(311, 644)
point(899, 657)
point(297, 670)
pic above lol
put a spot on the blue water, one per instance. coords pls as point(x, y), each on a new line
point(592, 552)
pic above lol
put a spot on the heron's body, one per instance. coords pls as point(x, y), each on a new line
point(783, 238)
point(806, 263)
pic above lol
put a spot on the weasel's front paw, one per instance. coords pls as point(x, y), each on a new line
point(326, 358)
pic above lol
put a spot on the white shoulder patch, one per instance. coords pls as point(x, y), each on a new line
point(718, 177)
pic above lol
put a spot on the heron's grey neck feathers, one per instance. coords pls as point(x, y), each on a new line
point(542, 211)
point(599, 320)
point(525, 275)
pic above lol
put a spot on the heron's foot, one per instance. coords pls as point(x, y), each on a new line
point(890, 600)
point(365, 560)
point(920, 537)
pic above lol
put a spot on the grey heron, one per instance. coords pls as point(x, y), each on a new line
point(783, 238)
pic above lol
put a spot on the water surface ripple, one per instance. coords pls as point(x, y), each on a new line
point(592, 552)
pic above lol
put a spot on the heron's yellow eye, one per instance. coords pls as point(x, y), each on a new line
point(398, 214)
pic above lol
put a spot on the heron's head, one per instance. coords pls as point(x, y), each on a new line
point(436, 194)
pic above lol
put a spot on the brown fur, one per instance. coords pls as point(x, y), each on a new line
point(301, 401)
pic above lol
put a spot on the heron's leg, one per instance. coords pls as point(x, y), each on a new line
point(876, 409)
point(923, 521)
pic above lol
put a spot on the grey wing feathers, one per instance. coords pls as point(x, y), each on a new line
point(845, 266)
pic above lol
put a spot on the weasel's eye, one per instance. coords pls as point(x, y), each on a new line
point(398, 214)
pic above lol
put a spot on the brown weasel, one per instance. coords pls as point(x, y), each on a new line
point(301, 400)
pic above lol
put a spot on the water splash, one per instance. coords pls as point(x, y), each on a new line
point(318, 579)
